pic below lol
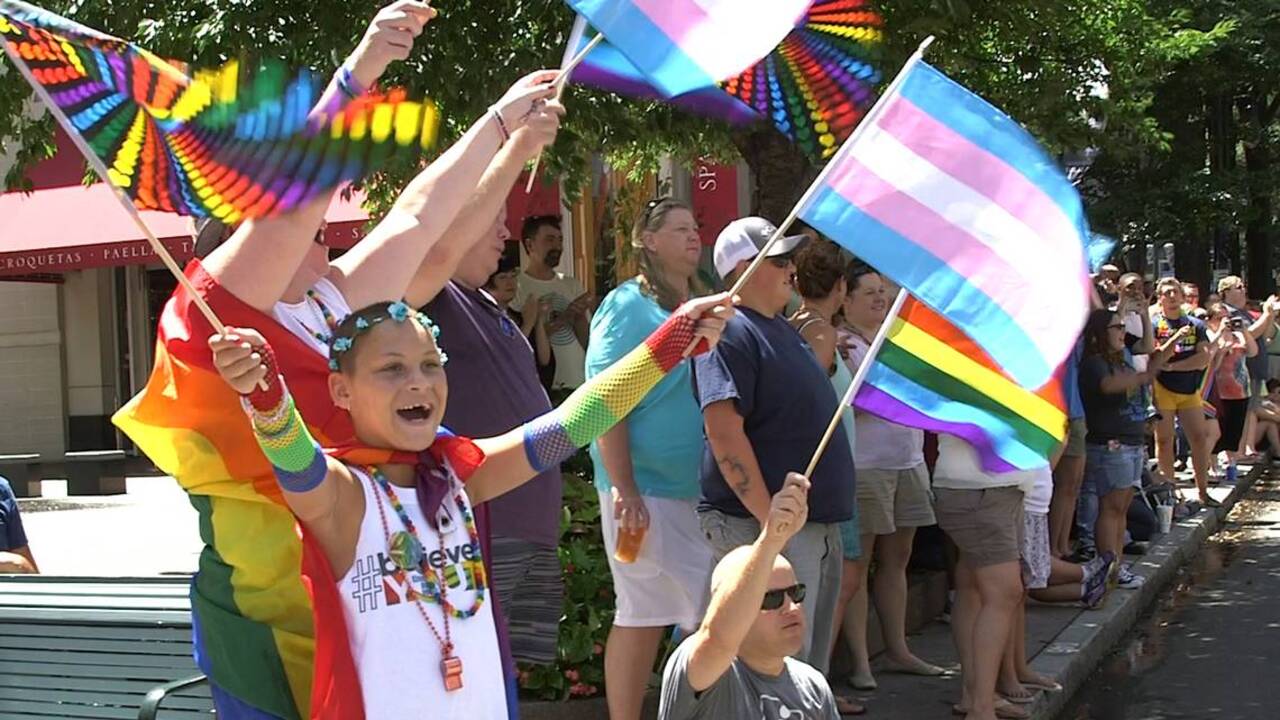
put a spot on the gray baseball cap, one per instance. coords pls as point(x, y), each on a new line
point(744, 238)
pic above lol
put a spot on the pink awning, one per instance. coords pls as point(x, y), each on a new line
point(74, 228)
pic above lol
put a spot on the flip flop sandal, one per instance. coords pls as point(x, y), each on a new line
point(846, 706)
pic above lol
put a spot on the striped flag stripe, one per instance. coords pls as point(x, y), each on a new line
point(977, 168)
point(997, 445)
point(915, 268)
point(950, 367)
point(960, 206)
point(987, 127)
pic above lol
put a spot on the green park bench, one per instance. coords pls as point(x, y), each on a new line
point(23, 472)
point(98, 648)
point(95, 472)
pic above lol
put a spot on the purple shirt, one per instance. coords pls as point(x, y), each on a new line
point(494, 387)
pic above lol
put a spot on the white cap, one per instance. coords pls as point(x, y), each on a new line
point(742, 240)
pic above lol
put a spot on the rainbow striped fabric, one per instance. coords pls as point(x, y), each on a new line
point(231, 143)
point(931, 376)
point(255, 635)
point(957, 203)
point(607, 398)
point(686, 45)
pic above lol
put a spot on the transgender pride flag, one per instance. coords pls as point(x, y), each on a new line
point(687, 45)
point(606, 67)
point(957, 203)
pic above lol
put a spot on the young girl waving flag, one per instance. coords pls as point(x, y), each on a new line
point(392, 555)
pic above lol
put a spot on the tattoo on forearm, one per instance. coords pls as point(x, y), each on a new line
point(735, 473)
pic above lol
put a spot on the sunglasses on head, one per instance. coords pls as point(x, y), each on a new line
point(650, 206)
point(773, 598)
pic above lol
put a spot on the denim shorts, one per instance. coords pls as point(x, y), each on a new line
point(1110, 468)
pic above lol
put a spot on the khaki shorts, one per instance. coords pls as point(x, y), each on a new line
point(1076, 432)
point(893, 499)
point(986, 525)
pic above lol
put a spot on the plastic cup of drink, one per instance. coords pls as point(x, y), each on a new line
point(627, 546)
point(1164, 513)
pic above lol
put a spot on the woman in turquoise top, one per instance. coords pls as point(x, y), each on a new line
point(647, 467)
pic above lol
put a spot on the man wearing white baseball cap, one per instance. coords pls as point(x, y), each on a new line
point(765, 404)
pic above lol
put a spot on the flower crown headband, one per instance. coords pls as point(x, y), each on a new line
point(398, 311)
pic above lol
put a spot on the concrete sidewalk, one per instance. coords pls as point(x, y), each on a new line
point(1065, 642)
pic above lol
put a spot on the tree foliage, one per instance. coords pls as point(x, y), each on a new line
point(1172, 70)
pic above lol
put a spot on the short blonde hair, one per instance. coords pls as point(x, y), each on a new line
point(1229, 283)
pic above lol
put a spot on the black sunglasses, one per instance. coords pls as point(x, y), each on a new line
point(782, 261)
point(773, 598)
point(650, 206)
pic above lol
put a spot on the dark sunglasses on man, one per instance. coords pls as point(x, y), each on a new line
point(782, 262)
point(773, 598)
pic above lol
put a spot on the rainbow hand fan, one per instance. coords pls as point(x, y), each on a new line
point(813, 87)
point(232, 143)
point(819, 82)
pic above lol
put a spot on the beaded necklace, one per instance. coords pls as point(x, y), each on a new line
point(325, 315)
point(406, 551)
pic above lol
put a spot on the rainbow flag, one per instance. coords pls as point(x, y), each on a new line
point(254, 634)
point(607, 68)
point(930, 375)
point(958, 204)
point(687, 45)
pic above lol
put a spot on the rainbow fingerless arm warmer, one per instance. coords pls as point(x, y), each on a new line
point(605, 399)
point(295, 456)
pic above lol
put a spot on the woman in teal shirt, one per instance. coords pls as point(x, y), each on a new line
point(647, 466)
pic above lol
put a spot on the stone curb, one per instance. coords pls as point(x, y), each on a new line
point(1081, 646)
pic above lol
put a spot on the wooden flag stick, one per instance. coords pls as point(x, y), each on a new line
point(846, 402)
point(100, 168)
point(867, 121)
point(561, 81)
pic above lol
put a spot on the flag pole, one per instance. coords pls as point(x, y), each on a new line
point(561, 81)
point(867, 121)
point(100, 169)
point(846, 402)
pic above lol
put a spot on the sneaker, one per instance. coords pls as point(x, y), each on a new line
point(1099, 564)
point(1095, 584)
point(1127, 580)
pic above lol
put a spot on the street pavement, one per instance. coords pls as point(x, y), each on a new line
point(1218, 628)
point(151, 530)
point(1209, 648)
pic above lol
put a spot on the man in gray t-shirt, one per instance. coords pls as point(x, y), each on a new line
point(738, 664)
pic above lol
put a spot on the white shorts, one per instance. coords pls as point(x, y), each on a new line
point(670, 581)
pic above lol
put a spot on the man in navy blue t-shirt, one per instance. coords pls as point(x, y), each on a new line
point(15, 555)
point(766, 404)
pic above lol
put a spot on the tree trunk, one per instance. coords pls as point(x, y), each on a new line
point(1223, 141)
point(1260, 218)
point(781, 173)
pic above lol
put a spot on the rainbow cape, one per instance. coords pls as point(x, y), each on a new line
point(930, 375)
point(255, 636)
point(253, 596)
